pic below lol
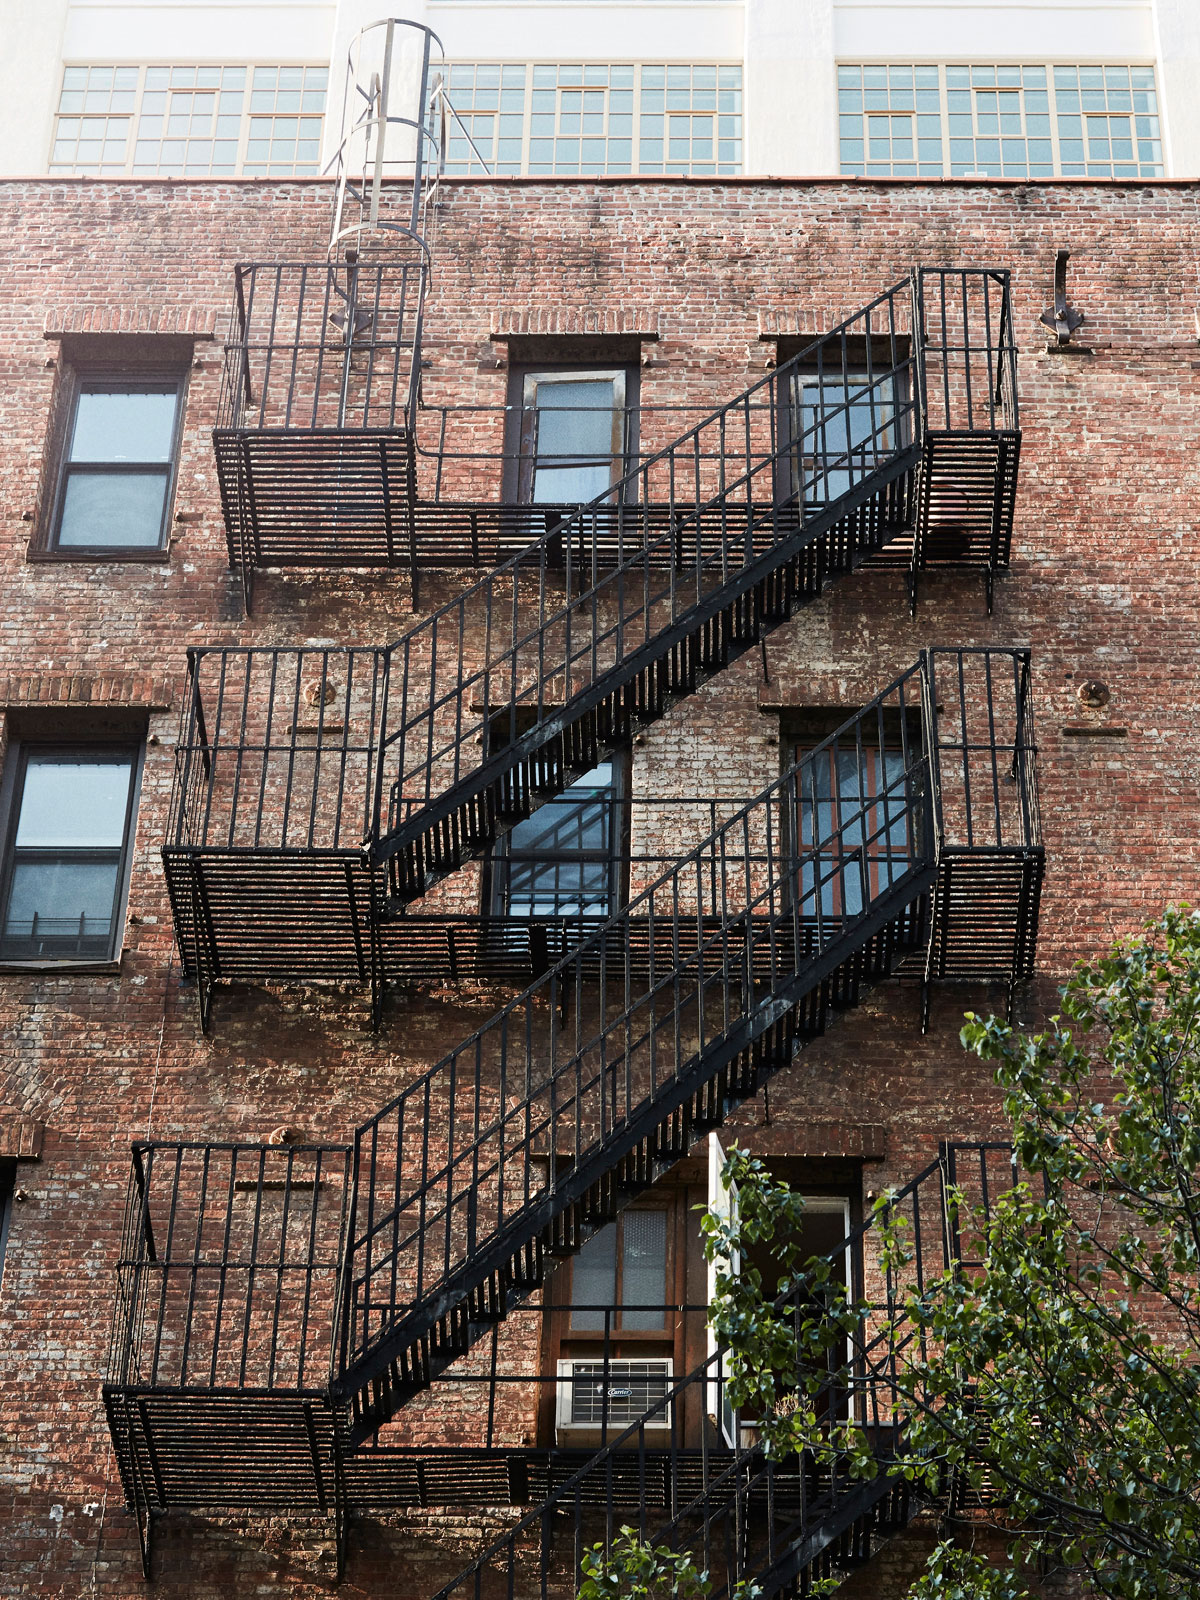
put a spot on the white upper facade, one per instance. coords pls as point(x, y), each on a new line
point(809, 88)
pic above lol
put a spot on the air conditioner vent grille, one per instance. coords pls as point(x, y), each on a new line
point(615, 1393)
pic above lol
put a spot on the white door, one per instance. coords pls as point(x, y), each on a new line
point(722, 1202)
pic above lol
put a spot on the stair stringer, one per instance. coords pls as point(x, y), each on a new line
point(423, 1343)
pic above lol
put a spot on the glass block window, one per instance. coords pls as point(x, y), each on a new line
point(999, 122)
point(587, 119)
point(190, 121)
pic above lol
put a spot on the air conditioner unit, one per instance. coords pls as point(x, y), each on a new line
point(595, 1394)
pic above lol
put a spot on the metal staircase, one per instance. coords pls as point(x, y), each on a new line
point(267, 1325)
point(778, 1524)
point(320, 791)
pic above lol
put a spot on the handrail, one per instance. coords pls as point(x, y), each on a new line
point(438, 1173)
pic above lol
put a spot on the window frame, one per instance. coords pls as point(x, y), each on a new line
point(12, 789)
point(497, 867)
point(132, 378)
point(567, 359)
point(915, 88)
point(802, 731)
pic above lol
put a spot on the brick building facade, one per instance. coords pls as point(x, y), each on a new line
point(693, 290)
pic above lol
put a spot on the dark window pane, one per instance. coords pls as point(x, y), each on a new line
point(119, 509)
point(112, 425)
point(594, 1279)
point(60, 906)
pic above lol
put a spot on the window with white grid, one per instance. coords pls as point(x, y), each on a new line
point(1038, 121)
point(180, 121)
point(588, 119)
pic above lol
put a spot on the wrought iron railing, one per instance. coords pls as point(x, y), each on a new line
point(573, 614)
point(471, 1164)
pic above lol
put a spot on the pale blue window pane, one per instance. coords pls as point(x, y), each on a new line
point(73, 804)
point(122, 510)
point(113, 426)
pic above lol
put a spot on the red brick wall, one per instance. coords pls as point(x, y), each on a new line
point(1103, 585)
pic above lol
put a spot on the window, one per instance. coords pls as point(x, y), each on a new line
point(573, 443)
point(580, 119)
point(847, 430)
point(999, 121)
point(190, 120)
point(843, 425)
point(853, 802)
point(118, 464)
point(65, 867)
point(562, 861)
point(619, 1282)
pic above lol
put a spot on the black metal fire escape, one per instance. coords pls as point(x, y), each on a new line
point(269, 1326)
point(277, 1306)
point(775, 1523)
point(321, 791)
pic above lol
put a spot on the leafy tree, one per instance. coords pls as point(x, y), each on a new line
point(1067, 1371)
point(1066, 1374)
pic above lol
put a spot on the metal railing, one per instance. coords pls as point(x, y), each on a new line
point(741, 1516)
point(475, 1151)
point(582, 606)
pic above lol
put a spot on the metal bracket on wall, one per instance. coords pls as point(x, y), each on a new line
point(1060, 318)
